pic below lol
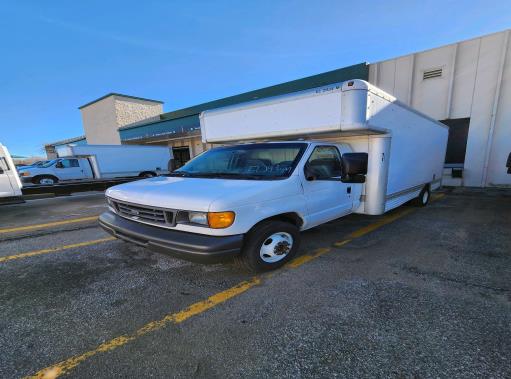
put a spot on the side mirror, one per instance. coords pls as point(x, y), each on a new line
point(59, 165)
point(508, 164)
point(354, 167)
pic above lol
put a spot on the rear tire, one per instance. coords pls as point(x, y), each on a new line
point(423, 199)
point(269, 245)
point(45, 179)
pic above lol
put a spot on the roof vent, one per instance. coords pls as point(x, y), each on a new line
point(434, 73)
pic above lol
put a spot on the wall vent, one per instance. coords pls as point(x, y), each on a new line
point(434, 73)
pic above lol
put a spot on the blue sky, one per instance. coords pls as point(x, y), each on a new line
point(58, 55)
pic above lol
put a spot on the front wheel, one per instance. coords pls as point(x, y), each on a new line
point(269, 245)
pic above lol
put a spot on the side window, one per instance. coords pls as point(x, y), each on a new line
point(325, 163)
point(68, 163)
point(3, 164)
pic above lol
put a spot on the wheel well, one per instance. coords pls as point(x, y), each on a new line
point(35, 178)
point(291, 217)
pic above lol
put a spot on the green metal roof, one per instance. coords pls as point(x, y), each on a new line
point(184, 121)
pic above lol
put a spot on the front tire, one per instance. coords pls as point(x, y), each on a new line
point(269, 245)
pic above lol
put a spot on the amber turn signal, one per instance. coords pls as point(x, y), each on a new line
point(220, 220)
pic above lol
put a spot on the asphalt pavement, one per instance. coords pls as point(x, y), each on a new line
point(417, 293)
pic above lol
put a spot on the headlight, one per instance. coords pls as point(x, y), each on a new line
point(198, 218)
point(215, 220)
point(25, 173)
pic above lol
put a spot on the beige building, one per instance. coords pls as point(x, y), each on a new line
point(103, 117)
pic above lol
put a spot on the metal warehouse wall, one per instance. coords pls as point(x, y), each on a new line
point(466, 80)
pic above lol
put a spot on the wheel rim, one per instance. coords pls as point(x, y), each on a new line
point(425, 197)
point(46, 181)
point(276, 247)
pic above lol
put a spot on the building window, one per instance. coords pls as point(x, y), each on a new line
point(457, 141)
point(181, 155)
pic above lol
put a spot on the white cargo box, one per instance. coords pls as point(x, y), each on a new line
point(341, 107)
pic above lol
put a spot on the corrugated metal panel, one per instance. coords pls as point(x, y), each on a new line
point(185, 121)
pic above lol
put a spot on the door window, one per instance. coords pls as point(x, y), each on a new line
point(324, 163)
point(69, 163)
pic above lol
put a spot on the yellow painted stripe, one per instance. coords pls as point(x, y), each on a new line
point(378, 224)
point(200, 307)
point(47, 225)
point(302, 259)
point(53, 249)
point(171, 318)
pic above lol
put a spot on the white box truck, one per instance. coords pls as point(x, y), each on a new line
point(10, 184)
point(335, 150)
point(91, 162)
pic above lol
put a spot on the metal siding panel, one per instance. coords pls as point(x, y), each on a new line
point(464, 78)
point(484, 93)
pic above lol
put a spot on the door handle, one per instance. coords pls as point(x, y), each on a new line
point(348, 190)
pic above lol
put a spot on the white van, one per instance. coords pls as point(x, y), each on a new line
point(360, 151)
point(10, 184)
point(89, 162)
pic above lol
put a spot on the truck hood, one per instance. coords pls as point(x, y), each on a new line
point(200, 194)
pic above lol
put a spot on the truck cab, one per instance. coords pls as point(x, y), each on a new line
point(57, 170)
point(229, 196)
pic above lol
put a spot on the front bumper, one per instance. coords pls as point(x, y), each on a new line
point(190, 246)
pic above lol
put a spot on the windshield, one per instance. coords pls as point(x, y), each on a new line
point(48, 163)
point(251, 161)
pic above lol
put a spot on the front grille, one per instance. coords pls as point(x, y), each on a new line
point(142, 213)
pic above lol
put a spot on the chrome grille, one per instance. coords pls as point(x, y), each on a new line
point(151, 215)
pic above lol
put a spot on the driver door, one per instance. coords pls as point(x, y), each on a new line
point(69, 169)
point(327, 197)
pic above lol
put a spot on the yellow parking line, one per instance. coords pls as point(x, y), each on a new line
point(173, 318)
point(67, 365)
point(53, 249)
point(47, 225)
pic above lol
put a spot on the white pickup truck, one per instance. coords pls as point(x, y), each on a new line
point(89, 162)
point(370, 154)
